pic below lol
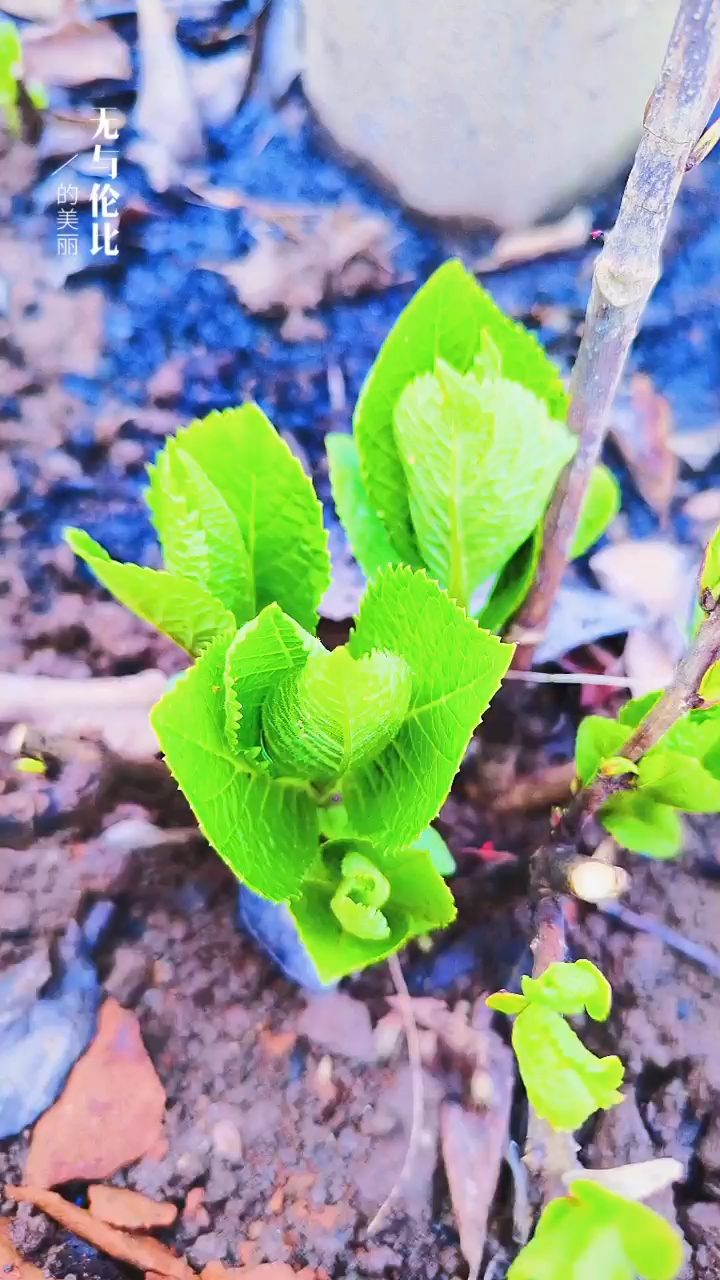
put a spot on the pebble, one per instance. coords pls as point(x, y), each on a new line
point(129, 974)
point(340, 1025)
point(226, 1140)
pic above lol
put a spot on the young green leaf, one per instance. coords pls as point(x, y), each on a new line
point(335, 714)
point(369, 539)
point(419, 902)
point(273, 503)
point(597, 739)
point(565, 1082)
point(637, 708)
point(571, 989)
point(642, 824)
point(507, 1002)
point(179, 608)
point(11, 61)
point(456, 669)
point(198, 532)
point(593, 1234)
point(513, 583)
point(480, 462)
point(430, 841)
point(710, 684)
point(617, 766)
point(446, 319)
point(266, 830)
point(356, 902)
point(679, 780)
point(260, 655)
point(599, 509)
point(710, 571)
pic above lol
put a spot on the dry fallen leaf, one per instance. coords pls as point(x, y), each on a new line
point(513, 247)
point(643, 430)
point(12, 1265)
point(651, 573)
point(648, 661)
point(697, 448)
point(109, 1114)
point(114, 709)
point(166, 114)
point(74, 53)
point(143, 1252)
point(637, 1181)
point(129, 1210)
point(335, 253)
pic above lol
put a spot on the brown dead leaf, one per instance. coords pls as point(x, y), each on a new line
point(143, 1252)
point(74, 53)
point(643, 431)
point(12, 1265)
point(697, 448)
point(651, 573)
point(335, 253)
point(129, 1210)
point(109, 1114)
point(648, 663)
point(473, 1147)
point(114, 709)
point(513, 247)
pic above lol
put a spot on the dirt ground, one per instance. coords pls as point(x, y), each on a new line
point(287, 1119)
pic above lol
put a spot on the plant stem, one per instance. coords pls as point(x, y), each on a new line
point(625, 275)
point(682, 695)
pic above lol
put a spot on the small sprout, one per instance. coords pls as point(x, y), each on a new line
point(617, 766)
point(358, 898)
point(710, 574)
point(28, 764)
point(710, 685)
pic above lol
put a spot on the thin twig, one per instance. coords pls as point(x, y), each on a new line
point(703, 956)
point(536, 790)
point(625, 275)
point(418, 1096)
point(573, 677)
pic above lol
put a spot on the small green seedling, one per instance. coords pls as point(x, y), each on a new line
point(459, 439)
point(314, 774)
point(680, 774)
point(565, 1083)
point(11, 79)
point(593, 1234)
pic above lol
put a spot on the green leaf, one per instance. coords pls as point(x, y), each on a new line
point(696, 734)
point(274, 504)
point(178, 607)
point(710, 571)
point(335, 714)
point(636, 709)
point(430, 841)
point(265, 830)
point(199, 534)
point(488, 361)
point(514, 581)
point(597, 739)
point(456, 669)
point(447, 319)
point(710, 684)
point(356, 902)
point(593, 1234)
point(507, 1002)
point(601, 505)
point(617, 767)
point(10, 75)
point(652, 1247)
point(565, 1082)
point(480, 460)
point(679, 780)
point(369, 540)
point(260, 655)
point(642, 824)
point(571, 988)
point(419, 902)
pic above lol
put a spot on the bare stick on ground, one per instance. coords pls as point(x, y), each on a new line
point(625, 275)
point(418, 1097)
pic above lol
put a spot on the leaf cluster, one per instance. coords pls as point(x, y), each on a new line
point(11, 78)
point(459, 439)
point(681, 773)
point(313, 773)
point(564, 1081)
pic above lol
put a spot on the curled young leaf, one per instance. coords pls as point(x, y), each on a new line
point(260, 655)
point(565, 1082)
point(710, 684)
point(617, 767)
point(335, 714)
point(356, 902)
point(571, 988)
